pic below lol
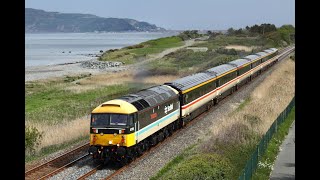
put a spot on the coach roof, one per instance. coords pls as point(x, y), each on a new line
point(218, 70)
point(251, 57)
point(239, 62)
point(191, 80)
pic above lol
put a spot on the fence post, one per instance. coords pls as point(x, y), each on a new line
point(276, 121)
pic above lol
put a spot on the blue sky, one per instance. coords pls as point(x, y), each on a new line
point(181, 14)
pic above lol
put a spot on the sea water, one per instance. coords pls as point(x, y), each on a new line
point(60, 48)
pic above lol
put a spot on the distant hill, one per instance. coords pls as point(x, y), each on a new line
point(42, 21)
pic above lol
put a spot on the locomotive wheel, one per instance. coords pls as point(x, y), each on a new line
point(216, 101)
point(139, 151)
point(130, 155)
point(160, 136)
point(166, 133)
point(146, 146)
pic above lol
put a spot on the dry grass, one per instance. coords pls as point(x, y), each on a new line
point(267, 101)
point(62, 132)
point(122, 77)
point(159, 79)
point(238, 47)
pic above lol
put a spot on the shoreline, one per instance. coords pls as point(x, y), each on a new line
point(43, 72)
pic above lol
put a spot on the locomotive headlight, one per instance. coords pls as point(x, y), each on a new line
point(121, 131)
point(110, 142)
point(94, 130)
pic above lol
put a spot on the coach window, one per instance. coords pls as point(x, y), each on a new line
point(186, 99)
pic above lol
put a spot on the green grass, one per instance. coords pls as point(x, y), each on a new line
point(237, 154)
point(200, 166)
point(223, 40)
point(158, 45)
point(267, 160)
point(53, 103)
point(174, 162)
point(186, 61)
point(191, 165)
point(139, 52)
point(241, 106)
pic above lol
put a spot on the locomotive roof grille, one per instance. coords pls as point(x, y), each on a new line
point(149, 97)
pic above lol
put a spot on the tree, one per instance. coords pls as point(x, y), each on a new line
point(230, 31)
point(239, 31)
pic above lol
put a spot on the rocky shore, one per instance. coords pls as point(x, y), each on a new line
point(93, 66)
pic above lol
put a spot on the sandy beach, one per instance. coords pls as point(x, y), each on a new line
point(33, 73)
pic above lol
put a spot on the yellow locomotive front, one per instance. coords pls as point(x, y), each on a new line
point(112, 130)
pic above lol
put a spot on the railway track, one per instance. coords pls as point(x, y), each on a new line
point(56, 165)
point(94, 170)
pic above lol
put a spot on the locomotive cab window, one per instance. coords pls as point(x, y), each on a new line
point(131, 120)
point(118, 119)
point(106, 120)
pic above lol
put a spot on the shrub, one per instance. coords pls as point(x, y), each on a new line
point(201, 166)
point(32, 139)
point(135, 46)
point(227, 51)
